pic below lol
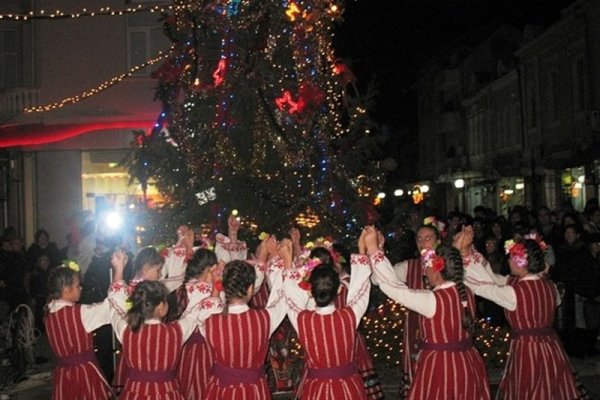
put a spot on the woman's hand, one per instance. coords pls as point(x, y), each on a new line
point(371, 242)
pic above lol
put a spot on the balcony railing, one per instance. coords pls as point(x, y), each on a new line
point(13, 101)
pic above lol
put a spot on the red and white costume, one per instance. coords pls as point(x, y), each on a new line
point(328, 335)
point(226, 250)
point(362, 357)
point(240, 341)
point(69, 326)
point(537, 365)
point(195, 363)
point(172, 275)
point(152, 353)
point(411, 273)
point(448, 366)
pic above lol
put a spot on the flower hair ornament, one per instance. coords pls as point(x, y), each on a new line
point(437, 224)
point(72, 265)
point(538, 239)
point(431, 260)
point(516, 252)
point(308, 265)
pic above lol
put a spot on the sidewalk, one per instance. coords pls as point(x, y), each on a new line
point(38, 385)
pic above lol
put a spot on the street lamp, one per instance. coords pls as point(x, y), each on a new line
point(459, 183)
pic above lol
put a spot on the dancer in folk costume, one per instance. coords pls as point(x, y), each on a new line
point(195, 364)
point(152, 348)
point(537, 367)
point(168, 267)
point(448, 366)
point(337, 256)
point(411, 273)
point(239, 336)
point(327, 334)
point(69, 327)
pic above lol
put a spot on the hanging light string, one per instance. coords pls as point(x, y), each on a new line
point(104, 11)
point(100, 88)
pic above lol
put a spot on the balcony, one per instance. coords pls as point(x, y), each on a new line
point(13, 101)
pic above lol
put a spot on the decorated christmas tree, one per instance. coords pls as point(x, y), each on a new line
point(261, 117)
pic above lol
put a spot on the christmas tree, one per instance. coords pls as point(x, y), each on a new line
point(261, 117)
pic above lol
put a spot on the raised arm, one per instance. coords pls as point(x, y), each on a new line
point(360, 285)
point(421, 301)
point(173, 271)
point(229, 248)
point(203, 302)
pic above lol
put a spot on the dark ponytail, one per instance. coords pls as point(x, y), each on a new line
point(238, 276)
point(324, 282)
point(202, 259)
point(146, 296)
point(454, 272)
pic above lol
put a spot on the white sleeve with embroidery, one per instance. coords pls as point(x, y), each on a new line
point(400, 269)
point(260, 269)
point(94, 316)
point(200, 306)
point(360, 286)
point(173, 271)
point(276, 306)
point(421, 301)
point(479, 272)
point(227, 251)
point(296, 298)
point(117, 298)
point(504, 296)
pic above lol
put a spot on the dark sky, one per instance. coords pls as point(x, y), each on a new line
point(410, 31)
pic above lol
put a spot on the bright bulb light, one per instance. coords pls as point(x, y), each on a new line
point(381, 195)
point(424, 188)
point(459, 183)
point(114, 220)
point(398, 192)
point(581, 179)
point(520, 186)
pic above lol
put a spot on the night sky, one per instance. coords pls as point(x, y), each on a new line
point(412, 31)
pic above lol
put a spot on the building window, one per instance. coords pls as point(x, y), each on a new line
point(579, 84)
point(145, 38)
point(10, 75)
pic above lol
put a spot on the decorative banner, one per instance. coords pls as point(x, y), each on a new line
point(206, 196)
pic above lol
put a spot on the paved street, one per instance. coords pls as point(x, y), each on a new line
point(38, 386)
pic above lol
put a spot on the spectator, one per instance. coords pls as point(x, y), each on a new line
point(43, 246)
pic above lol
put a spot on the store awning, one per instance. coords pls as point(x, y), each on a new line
point(39, 134)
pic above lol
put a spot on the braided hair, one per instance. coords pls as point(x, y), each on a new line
point(202, 259)
point(146, 296)
point(535, 256)
point(324, 282)
point(454, 271)
point(238, 276)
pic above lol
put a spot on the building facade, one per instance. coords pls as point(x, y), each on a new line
point(83, 105)
point(530, 122)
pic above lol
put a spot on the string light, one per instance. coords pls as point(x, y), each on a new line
point(104, 11)
point(100, 88)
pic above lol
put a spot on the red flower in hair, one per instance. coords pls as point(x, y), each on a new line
point(305, 284)
point(438, 263)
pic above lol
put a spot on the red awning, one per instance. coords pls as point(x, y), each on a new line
point(38, 134)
